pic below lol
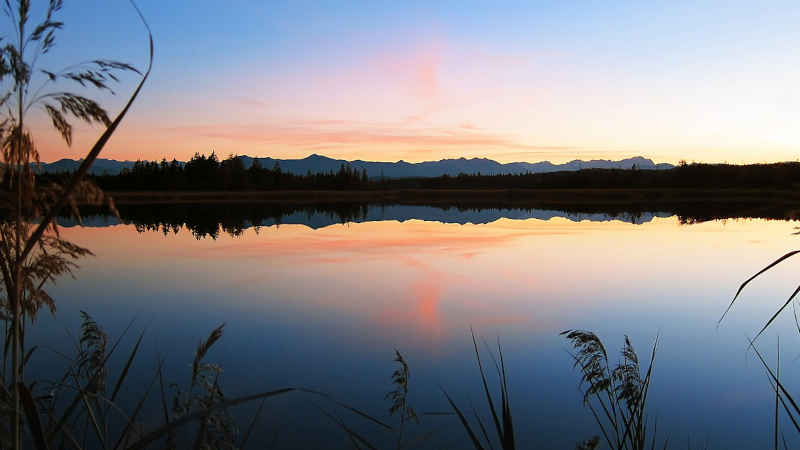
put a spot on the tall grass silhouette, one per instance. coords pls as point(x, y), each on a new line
point(80, 409)
point(616, 397)
point(783, 397)
point(32, 254)
point(502, 419)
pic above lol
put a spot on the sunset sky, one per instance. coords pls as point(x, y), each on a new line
point(422, 80)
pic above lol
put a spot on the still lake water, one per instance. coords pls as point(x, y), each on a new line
point(320, 304)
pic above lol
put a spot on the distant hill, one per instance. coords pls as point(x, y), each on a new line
point(400, 169)
point(101, 166)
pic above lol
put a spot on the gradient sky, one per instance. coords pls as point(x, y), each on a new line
point(421, 80)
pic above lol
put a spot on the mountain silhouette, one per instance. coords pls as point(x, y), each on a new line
point(400, 169)
point(100, 166)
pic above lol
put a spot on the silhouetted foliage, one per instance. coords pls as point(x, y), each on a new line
point(695, 176)
point(616, 397)
point(501, 415)
point(32, 253)
point(208, 173)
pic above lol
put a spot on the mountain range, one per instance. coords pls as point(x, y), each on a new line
point(400, 169)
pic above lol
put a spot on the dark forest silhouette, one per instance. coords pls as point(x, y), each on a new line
point(210, 173)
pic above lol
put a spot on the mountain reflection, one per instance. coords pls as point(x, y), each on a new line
point(209, 220)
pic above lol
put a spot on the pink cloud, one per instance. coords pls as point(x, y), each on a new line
point(359, 135)
point(426, 80)
point(415, 69)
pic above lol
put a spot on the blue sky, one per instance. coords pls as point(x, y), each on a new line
point(706, 81)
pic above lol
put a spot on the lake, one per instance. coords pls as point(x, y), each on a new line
point(314, 302)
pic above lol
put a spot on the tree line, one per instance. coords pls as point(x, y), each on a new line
point(209, 173)
point(684, 176)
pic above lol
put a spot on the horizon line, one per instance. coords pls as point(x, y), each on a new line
point(486, 158)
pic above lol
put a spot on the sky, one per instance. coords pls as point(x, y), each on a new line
point(419, 80)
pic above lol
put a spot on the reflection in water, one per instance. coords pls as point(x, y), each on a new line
point(324, 307)
point(210, 219)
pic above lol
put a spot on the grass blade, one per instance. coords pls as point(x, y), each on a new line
point(486, 389)
point(472, 436)
point(483, 429)
point(126, 368)
point(600, 424)
point(508, 426)
point(132, 420)
point(788, 411)
point(777, 393)
point(648, 378)
point(655, 433)
point(356, 439)
point(160, 432)
point(252, 425)
point(775, 379)
point(165, 409)
point(775, 316)
point(32, 413)
point(739, 291)
point(28, 356)
point(347, 407)
point(93, 417)
point(64, 418)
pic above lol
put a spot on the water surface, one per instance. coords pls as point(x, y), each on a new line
point(309, 301)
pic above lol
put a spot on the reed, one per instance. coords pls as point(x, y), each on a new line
point(32, 254)
point(783, 397)
point(80, 409)
point(616, 397)
point(502, 419)
point(400, 413)
point(782, 306)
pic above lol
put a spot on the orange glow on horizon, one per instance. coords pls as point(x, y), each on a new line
point(434, 100)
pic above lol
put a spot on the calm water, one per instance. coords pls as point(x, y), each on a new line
point(320, 304)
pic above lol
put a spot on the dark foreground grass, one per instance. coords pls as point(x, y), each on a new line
point(80, 409)
point(617, 398)
point(502, 419)
point(783, 397)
